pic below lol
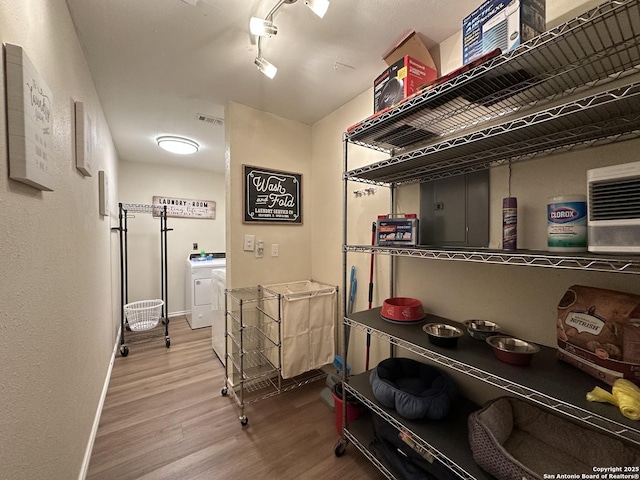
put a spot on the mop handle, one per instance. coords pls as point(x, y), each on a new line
point(373, 242)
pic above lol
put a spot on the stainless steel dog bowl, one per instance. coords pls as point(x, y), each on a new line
point(443, 335)
point(512, 350)
point(481, 329)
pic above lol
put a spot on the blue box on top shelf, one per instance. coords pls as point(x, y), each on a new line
point(501, 24)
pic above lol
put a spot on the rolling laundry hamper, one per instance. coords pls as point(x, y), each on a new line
point(308, 317)
point(275, 342)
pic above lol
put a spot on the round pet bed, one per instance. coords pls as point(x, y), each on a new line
point(415, 390)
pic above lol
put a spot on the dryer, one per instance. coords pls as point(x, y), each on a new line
point(219, 317)
point(198, 287)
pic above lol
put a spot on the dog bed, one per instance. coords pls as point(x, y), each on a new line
point(415, 390)
point(512, 439)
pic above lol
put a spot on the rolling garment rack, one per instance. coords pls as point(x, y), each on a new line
point(572, 87)
point(160, 310)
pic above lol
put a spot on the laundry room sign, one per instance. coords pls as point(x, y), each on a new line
point(272, 196)
point(185, 207)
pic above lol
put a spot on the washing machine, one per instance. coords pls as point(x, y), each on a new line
point(198, 287)
point(218, 314)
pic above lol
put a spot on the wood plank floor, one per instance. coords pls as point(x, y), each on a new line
point(164, 418)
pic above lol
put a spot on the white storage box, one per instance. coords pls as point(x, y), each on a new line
point(308, 312)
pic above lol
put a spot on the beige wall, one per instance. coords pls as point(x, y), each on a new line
point(522, 299)
point(57, 332)
point(261, 139)
point(139, 183)
point(59, 288)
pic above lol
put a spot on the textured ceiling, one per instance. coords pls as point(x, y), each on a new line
point(158, 63)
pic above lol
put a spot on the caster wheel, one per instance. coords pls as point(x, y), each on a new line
point(223, 392)
point(340, 448)
point(124, 350)
point(167, 342)
point(244, 420)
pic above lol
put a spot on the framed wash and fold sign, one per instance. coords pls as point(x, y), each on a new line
point(272, 196)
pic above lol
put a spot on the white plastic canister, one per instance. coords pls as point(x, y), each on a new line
point(567, 223)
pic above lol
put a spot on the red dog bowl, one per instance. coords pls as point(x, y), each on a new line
point(402, 310)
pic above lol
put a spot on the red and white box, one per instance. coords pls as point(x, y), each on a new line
point(399, 81)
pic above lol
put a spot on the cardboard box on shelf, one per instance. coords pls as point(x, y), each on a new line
point(409, 44)
point(399, 81)
point(501, 24)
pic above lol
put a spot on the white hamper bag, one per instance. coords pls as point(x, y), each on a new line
point(308, 314)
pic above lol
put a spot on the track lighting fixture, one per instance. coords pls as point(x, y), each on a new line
point(266, 67)
point(261, 27)
point(264, 27)
point(319, 7)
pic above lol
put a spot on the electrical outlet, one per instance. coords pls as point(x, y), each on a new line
point(259, 249)
point(195, 246)
point(274, 250)
point(249, 243)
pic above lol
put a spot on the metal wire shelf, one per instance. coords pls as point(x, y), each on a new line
point(595, 48)
point(252, 365)
point(529, 258)
point(601, 118)
point(350, 434)
point(141, 208)
point(258, 389)
point(464, 466)
point(369, 322)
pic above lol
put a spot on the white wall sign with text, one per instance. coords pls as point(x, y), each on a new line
point(184, 207)
point(85, 139)
point(30, 121)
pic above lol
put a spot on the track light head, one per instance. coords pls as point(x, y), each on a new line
point(262, 27)
point(265, 28)
point(266, 67)
point(319, 7)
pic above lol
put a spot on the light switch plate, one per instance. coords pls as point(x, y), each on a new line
point(259, 249)
point(249, 243)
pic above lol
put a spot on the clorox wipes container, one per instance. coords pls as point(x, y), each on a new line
point(567, 223)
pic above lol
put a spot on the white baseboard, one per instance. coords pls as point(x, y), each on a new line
point(96, 421)
point(177, 314)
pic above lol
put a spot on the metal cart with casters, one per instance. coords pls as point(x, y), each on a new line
point(254, 347)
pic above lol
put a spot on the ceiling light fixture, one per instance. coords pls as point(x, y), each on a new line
point(266, 67)
point(319, 7)
point(179, 145)
point(265, 28)
point(262, 27)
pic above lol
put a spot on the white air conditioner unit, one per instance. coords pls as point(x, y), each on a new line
point(501, 31)
point(614, 208)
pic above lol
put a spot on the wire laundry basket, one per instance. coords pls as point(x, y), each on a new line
point(144, 314)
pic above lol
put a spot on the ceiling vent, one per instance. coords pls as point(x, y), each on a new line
point(209, 119)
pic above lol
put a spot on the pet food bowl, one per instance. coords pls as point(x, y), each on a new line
point(481, 329)
point(443, 335)
point(512, 350)
point(402, 310)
